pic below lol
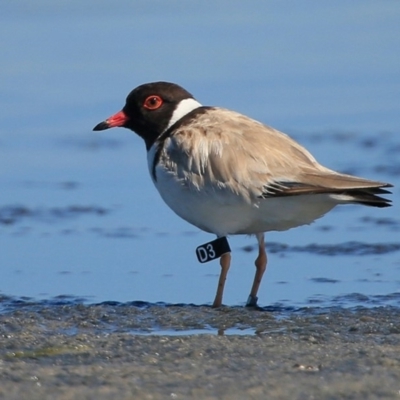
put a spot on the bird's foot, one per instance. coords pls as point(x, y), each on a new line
point(252, 301)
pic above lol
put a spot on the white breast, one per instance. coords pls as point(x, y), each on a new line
point(207, 208)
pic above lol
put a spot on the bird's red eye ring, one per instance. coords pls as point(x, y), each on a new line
point(153, 102)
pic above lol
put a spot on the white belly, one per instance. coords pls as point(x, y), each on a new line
point(219, 211)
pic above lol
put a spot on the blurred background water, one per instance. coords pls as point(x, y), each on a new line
point(79, 215)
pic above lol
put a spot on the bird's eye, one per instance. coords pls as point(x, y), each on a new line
point(153, 102)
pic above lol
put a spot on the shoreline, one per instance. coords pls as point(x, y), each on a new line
point(95, 351)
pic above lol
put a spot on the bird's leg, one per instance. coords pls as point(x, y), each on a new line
point(225, 262)
point(261, 266)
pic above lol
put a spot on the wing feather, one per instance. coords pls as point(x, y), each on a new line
point(229, 151)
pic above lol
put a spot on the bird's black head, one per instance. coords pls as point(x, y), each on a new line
point(150, 109)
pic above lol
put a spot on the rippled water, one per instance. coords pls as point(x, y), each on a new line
point(78, 213)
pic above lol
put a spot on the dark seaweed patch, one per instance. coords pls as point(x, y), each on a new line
point(391, 223)
point(65, 185)
point(92, 142)
point(347, 248)
point(324, 280)
point(13, 214)
point(119, 233)
point(388, 169)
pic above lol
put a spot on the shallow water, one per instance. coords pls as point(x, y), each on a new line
point(78, 213)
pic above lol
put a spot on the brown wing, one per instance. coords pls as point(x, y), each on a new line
point(231, 151)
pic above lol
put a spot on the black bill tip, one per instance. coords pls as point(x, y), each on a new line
point(101, 126)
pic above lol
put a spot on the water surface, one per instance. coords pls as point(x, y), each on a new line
point(78, 213)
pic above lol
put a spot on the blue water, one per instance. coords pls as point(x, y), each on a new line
point(326, 73)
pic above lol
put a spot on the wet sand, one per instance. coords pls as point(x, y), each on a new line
point(145, 351)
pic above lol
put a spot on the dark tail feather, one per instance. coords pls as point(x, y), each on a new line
point(369, 197)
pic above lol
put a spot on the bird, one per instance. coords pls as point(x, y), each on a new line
point(228, 174)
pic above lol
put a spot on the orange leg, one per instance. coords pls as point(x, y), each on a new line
point(261, 266)
point(225, 262)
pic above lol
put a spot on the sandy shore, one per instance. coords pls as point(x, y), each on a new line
point(113, 351)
